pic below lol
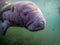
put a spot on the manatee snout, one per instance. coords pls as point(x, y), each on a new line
point(37, 24)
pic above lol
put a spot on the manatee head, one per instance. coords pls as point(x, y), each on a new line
point(36, 22)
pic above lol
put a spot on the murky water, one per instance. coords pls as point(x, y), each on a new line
point(49, 36)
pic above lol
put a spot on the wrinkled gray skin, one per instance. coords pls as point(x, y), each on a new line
point(24, 14)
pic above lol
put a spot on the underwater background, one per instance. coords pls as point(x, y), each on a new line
point(49, 36)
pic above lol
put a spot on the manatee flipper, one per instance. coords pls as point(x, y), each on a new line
point(4, 27)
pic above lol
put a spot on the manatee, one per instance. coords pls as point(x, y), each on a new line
point(24, 14)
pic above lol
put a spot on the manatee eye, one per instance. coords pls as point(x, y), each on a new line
point(25, 13)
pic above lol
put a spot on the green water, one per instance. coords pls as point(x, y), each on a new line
point(49, 36)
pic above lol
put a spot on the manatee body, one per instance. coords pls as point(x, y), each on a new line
point(25, 14)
